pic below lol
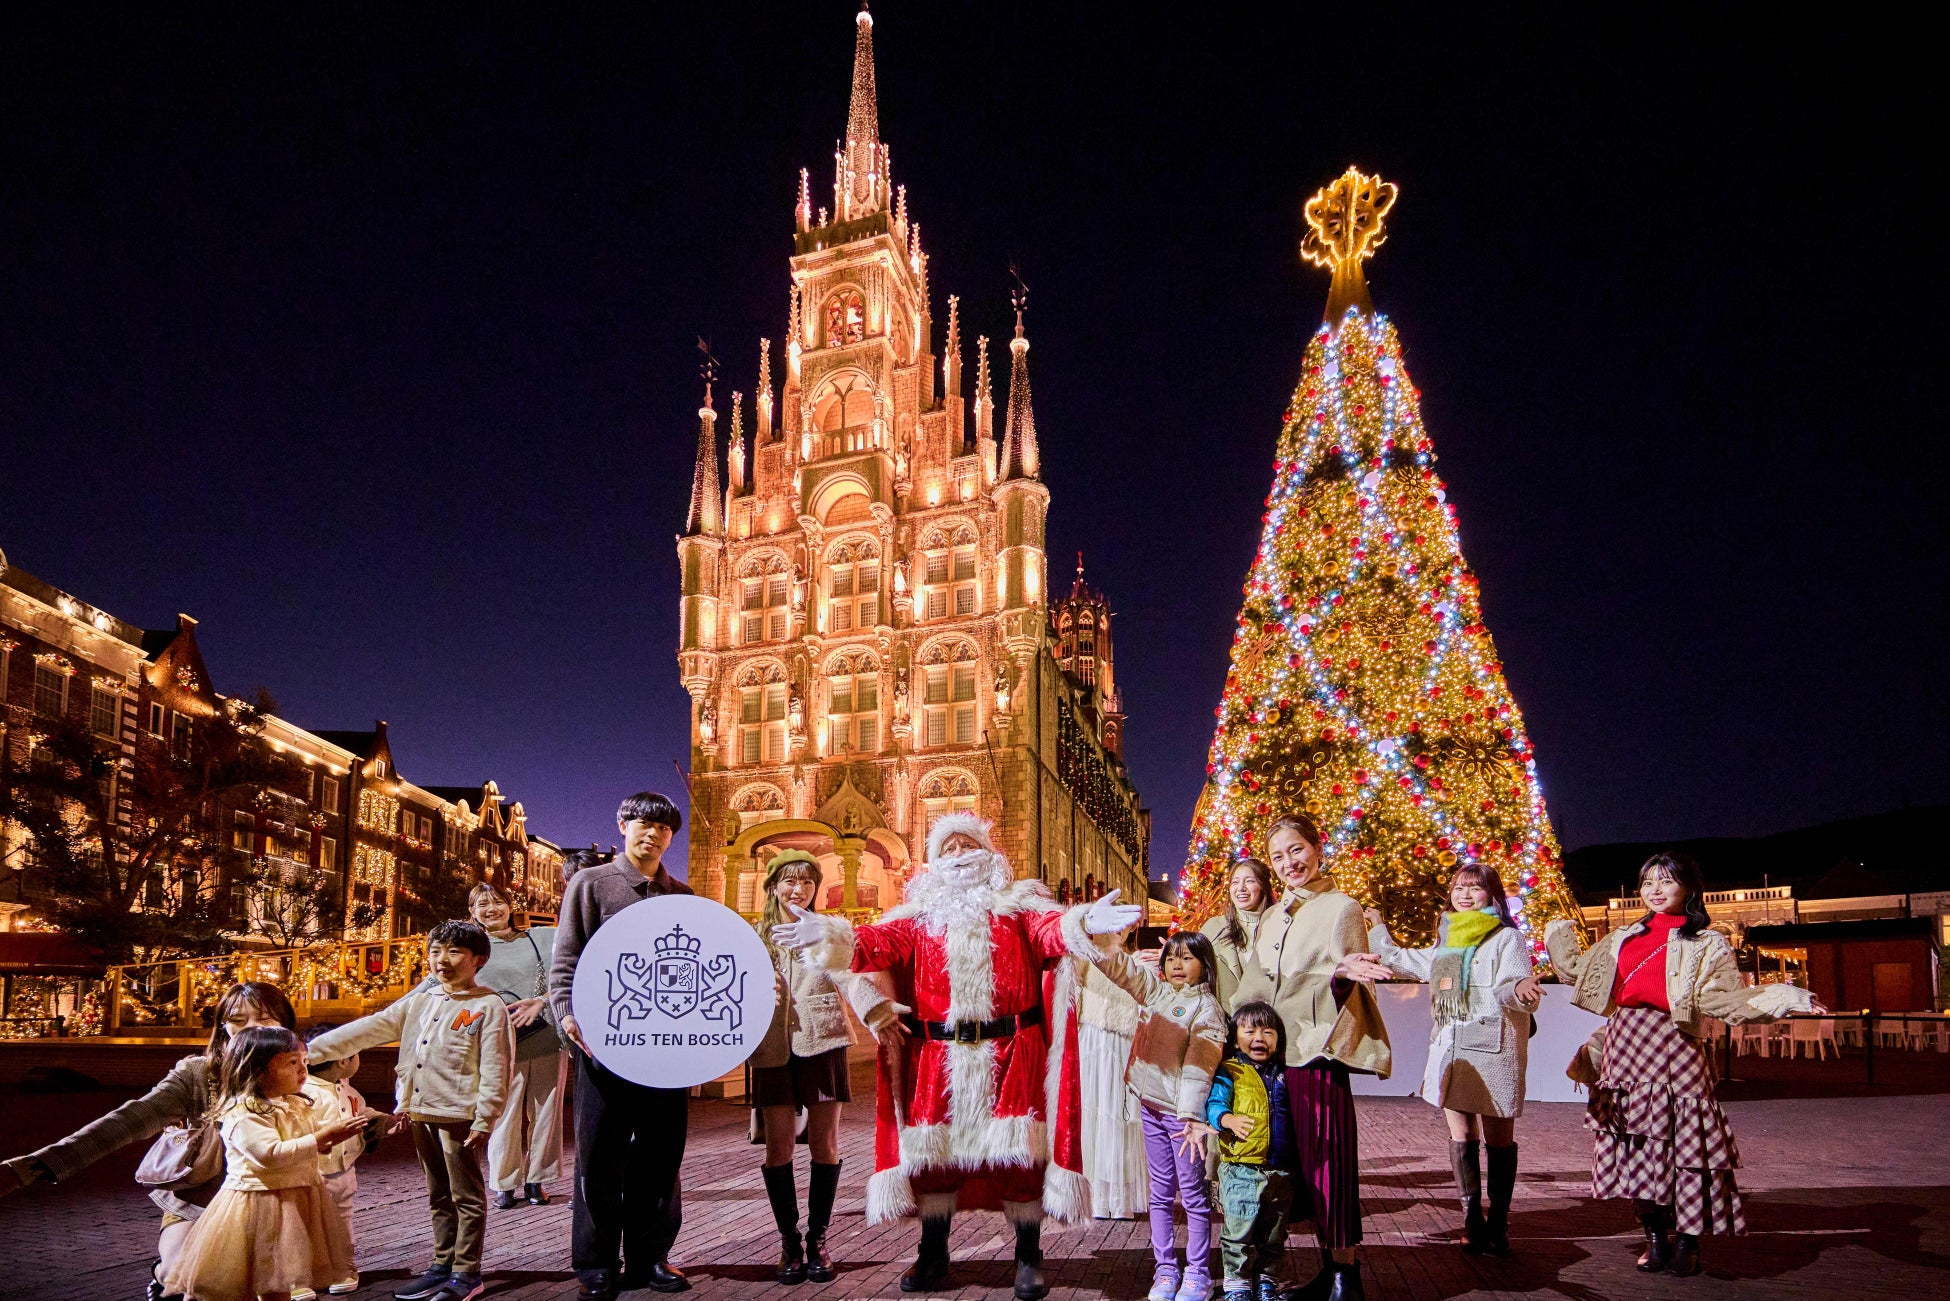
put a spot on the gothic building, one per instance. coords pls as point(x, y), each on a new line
point(866, 635)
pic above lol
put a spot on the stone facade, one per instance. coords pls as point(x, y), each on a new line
point(864, 595)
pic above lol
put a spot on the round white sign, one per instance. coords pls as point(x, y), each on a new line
point(673, 991)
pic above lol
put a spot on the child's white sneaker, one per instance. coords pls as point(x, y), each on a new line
point(303, 1294)
point(1164, 1284)
point(1238, 1289)
point(1197, 1285)
point(340, 1289)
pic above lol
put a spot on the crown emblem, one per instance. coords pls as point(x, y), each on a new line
point(677, 944)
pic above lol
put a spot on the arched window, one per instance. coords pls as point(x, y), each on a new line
point(845, 403)
point(846, 318)
point(853, 703)
point(945, 791)
point(852, 586)
point(759, 802)
point(761, 713)
point(948, 572)
point(764, 588)
point(948, 692)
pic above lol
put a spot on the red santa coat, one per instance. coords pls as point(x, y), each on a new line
point(1012, 1101)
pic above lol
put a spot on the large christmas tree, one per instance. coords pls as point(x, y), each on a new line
point(1364, 687)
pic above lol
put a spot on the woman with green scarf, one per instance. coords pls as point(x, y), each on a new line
point(1481, 992)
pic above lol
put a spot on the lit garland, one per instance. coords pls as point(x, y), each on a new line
point(1364, 687)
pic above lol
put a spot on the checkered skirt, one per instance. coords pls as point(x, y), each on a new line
point(1658, 1134)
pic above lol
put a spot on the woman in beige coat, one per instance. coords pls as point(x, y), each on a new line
point(1659, 1136)
point(801, 1063)
point(1310, 961)
point(1249, 896)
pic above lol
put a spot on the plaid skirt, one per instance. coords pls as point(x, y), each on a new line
point(1658, 1134)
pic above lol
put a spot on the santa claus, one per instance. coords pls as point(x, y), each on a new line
point(978, 1094)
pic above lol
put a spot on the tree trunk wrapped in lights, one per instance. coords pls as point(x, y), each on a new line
point(1364, 687)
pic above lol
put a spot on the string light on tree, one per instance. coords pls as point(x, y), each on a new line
point(1364, 686)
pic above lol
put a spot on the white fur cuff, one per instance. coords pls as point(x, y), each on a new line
point(1078, 941)
point(834, 952)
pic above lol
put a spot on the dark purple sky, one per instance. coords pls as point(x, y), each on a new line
point(365, 336)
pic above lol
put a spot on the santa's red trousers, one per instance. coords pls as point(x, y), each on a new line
point(1010, 1183)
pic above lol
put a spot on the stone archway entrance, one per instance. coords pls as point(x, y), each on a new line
point(864, 871)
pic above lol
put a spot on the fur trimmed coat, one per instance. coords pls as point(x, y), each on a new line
point(1009, 1101)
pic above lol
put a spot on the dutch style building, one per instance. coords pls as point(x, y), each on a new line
point(866, 633)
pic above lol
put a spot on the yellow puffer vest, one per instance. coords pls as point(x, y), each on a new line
point(1249, 1099)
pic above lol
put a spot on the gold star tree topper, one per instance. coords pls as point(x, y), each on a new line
point(1344, 228)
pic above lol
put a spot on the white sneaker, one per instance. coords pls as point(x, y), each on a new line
point(303, 1294)
point(340, 1289)
point(1164, 1284)
point(1197, 1285)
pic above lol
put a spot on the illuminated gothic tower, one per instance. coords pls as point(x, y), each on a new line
point(864, 631)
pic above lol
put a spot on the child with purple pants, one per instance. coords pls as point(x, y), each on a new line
point(1179, 1041)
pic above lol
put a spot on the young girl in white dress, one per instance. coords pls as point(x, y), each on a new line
point(272, 1228)
point(1481, 992)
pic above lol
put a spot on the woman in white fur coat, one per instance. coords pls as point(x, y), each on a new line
point(978, 1102)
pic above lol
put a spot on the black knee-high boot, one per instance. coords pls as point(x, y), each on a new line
point(930, 1268)
point(784, 1197)
point(1469, 1186)
point(1030, 1283)
point(824, 1186)
point(1503, 1183)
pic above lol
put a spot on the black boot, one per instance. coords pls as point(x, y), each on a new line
point(824, 1186)
point(1503, 1183)
point(1030, 1285)
point(1469, 1186)
point(1346, 1283)
point(930, 1268)
point(784, 1196)
point(1658, 1248)
point(1685, 1255)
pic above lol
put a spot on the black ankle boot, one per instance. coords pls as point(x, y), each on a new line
point(1685, 1255)
point(1658, 1248)
point(820, 1192)
point(1346, 1283)
point(784, 1196)
point(930, 1268)
point(1030, 1284)
point(1503, 1183)
point(1469, 1187)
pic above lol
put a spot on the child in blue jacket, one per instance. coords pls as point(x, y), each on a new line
point(1248, 1107)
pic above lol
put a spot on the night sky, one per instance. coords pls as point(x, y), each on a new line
point(365, 335)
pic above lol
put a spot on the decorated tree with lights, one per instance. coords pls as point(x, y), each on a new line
point(1364, 687)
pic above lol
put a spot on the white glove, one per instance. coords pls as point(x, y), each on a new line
point(1107, 917)
point(809, 930)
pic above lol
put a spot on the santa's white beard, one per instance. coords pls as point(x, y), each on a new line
point(954, 893)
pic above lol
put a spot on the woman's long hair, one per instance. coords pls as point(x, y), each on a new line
point(774, 912)
point(1485, 876)
point(257, 995)
point(1234, 932)
point(1685, 873)
point(248, 1056)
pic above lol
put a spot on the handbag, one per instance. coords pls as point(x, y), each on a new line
point(538, 1038)
point(183, 1156)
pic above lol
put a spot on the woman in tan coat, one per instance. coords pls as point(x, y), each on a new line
point(801, 1063)
point(1310, 961)
point(1249, 896)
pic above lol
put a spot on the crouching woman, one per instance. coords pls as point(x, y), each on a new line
point(1659, 1136)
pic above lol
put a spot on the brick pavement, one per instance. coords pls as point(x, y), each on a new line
point(1844, 1196)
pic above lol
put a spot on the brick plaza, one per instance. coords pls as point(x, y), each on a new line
point(1846, 1196)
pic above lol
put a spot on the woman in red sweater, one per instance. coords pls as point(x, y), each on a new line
point(1658, 1135)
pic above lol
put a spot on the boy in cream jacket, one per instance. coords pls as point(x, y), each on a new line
point(456, 1058)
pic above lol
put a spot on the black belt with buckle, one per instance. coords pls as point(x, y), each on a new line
point(973, 1032)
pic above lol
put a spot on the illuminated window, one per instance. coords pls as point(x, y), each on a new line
point(329, 793)
point(846, 318)
point(756, 804)
point(104, 711)
point(853, 708)
point(762, 596)
point(948, 695)
point(241, 829)
point(180, 733)
point(949, 790)
point(50, 691)
point(155, 720)
point(948, 573)
point(761, 719)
